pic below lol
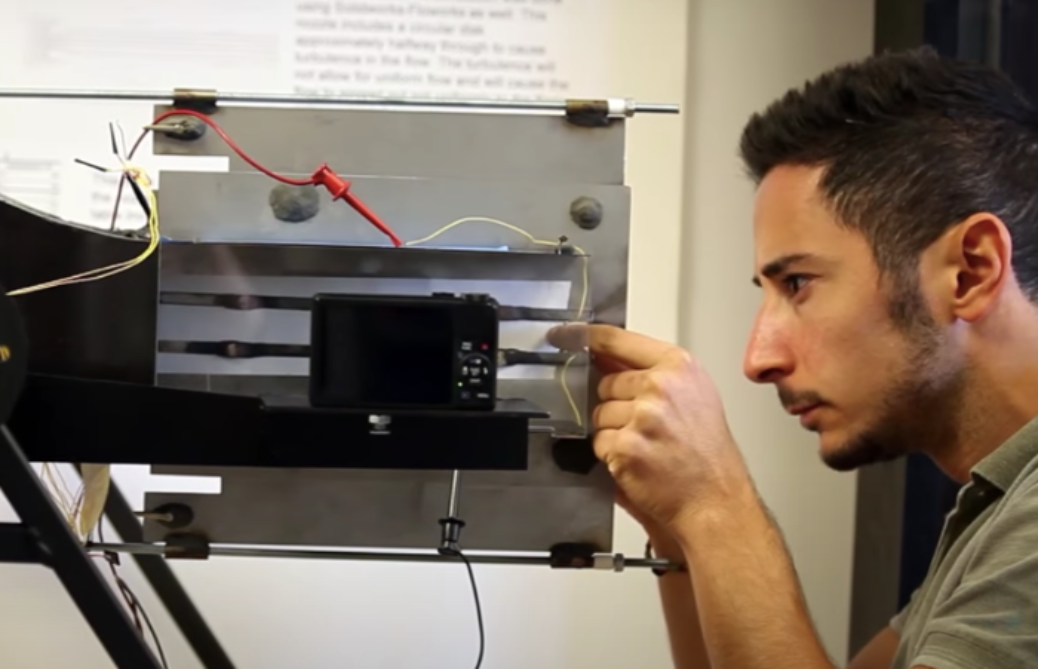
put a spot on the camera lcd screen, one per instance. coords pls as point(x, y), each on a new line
point(390, 354)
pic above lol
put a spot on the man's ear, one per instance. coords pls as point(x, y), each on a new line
point(978, 256)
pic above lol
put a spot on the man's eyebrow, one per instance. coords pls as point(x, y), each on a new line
point(780, 265)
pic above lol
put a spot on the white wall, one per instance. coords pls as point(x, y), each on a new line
point(742, 54)
point(276, 614)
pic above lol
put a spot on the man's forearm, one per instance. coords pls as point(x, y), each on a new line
point(751, 609)
point(679, 609)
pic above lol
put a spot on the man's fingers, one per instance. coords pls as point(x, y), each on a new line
point(631, 349)
point(610, 343)
point(608, 366)
point(613, 415)
point(605, 445)
point(621, 386)
point(635, 350)
point(573, 337)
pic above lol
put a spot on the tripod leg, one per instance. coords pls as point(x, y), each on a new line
point(65, 555)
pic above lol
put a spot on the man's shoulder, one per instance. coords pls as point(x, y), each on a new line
point(1013, 467)
point(973, 611)
point(1013, 520)
point(1004, 494)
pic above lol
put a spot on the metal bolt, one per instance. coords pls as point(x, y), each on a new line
point(184, 129)
point(586, 212)
point(174, 516)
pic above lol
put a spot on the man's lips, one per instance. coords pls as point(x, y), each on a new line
point(805, 412)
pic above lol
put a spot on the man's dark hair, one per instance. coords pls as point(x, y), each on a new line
point(910, 144)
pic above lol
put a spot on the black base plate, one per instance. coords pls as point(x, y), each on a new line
point(61, 419)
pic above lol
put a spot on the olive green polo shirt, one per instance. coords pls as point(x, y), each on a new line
point(978, 607)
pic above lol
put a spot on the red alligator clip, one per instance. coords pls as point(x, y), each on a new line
point(340, 189)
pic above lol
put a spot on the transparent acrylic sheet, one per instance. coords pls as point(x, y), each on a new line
point(542, 280)
point(514, 179)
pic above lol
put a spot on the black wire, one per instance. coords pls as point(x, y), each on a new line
point(133, 601)
point(151, 628)
point(112, 559)
point(479, 609)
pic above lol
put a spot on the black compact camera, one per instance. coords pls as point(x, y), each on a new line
point(436, 352)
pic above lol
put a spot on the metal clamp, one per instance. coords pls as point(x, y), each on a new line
point(187, 546)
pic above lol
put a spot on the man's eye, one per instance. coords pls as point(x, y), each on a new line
point(794, 282)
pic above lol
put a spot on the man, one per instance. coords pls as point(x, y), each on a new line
point(896, 248)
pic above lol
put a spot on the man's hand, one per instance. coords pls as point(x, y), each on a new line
point(660, 427)
point(662, 432)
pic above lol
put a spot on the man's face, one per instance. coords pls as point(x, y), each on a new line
point(867, 383)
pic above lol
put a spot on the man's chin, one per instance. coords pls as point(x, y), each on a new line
point(848, 456)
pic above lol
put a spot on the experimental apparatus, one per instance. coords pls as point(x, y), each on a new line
point(346, 326)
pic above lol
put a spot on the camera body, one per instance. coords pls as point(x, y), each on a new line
point(436, 352)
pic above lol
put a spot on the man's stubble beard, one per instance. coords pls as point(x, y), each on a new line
point(917, 411)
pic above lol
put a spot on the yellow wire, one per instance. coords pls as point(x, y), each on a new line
point(62, 495)
point(569, 396)
point(542, 242)
point(144, 182)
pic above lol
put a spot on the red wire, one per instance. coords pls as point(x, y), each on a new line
point(323, 176)
point(234, 146)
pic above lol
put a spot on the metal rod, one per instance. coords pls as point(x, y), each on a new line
point(70, 562)
point(452, 501)
point(631, 107)
point(605, 560)
point(450, 526)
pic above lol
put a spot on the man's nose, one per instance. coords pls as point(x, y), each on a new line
point(768, 357)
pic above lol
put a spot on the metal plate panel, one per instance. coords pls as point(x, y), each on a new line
point(234, 207)
point(525, 511)
point(459, 145)
point(302, 271)
point(419, 171)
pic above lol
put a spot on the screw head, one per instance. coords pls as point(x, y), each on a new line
point(586, 212)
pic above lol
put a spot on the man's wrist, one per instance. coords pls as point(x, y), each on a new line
point(696, 524)
point(664, 547)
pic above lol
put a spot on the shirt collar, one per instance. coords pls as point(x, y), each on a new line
point(1001, 467)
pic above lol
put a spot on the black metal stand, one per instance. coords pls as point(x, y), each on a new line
point(43, 536)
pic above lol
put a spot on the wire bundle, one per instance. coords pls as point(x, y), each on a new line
point(143, 183)
point(73, 507)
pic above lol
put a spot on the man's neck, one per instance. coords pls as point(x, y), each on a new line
point(1000, 398)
